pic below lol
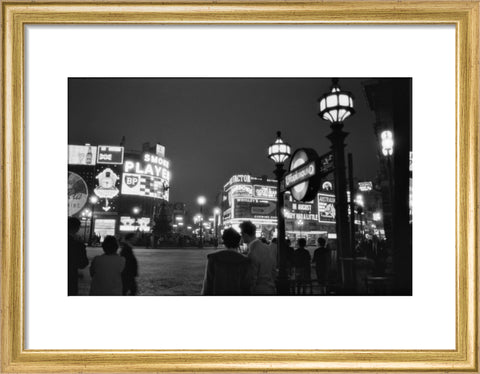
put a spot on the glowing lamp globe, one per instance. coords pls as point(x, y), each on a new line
point(279, 151)
point(337, 105)
point(387, 143)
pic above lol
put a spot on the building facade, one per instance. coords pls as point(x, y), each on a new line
point(246, 197)
point(115, 191)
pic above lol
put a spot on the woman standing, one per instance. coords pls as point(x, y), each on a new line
point(106, 270)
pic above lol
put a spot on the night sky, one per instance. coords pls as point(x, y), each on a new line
point(214, 128)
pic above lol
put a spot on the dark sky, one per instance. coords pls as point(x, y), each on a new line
point(214, 128)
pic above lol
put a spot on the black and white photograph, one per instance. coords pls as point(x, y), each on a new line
point(240, 186)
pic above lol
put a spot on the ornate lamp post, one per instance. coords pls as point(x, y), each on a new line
point(387, 151)
point(216, 216)
point(278, 152)
point(201, 200)
point(93, 202)
point(335, 107)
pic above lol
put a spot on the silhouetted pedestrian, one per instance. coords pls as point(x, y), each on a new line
point(263, 264)
point(301, 260)
point(77, 255)
point(321, 259)
point(129, 284)
point(106, 270)
point(226, 272)
point(290, 256)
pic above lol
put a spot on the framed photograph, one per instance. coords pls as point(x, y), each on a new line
point(250, 186)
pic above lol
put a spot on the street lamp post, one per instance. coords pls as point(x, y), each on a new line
point(216, 214)
point(201, 200)
point(387, 151)
point(278, 152)
point(86, 214)
point(93, 202)
point(335, 107)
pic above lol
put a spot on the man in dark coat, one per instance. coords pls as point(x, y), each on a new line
point(321, 259)
point(77, 255)
point(227, 270)
point(301, 259)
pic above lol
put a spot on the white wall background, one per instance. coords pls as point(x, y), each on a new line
point(424, 321)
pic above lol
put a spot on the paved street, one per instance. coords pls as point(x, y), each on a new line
point(166, 272)
point(161, 271)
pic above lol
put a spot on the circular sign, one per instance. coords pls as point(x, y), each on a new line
point(307, 189)
point(77, 193)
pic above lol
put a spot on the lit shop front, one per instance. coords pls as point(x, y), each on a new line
point(254, 199)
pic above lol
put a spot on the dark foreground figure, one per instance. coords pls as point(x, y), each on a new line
point(227, 270)
point(77, 255)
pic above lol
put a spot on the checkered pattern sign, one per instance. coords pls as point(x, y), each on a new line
point(144, 185)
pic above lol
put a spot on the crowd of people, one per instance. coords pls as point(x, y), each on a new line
point(112, 273)
point(229, 271)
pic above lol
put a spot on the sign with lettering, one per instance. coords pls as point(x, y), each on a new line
point(160, 150)
point(108, 154)
point(130, 224)
point(303, 180)
point(300, 174)
point(77, 193)
point(240, 179)
point(306, 211)
point(152, 165)
point(242, 190)
point(144, 185)
point(265, 192)
point(254, 208)
point(365, 186)
point(326, 208)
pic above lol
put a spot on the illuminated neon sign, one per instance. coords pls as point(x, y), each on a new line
point(152, 165)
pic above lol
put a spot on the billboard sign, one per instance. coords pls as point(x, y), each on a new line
point(227, 214)
point(365, 186)
point(77, 193)
point(265, 192)
point(82, 154)
point(107, 181)
point(160, 150)
point(326, 208)
point(152, 165)
point(254, 208)
point(305, 211)
point(129, 224)
point(144, 185)
point(104, 227)
point(108, 154)
point(242, 190)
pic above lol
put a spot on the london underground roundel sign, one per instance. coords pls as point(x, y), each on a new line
point(303, 178)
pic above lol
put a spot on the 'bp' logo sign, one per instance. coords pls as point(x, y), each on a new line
point(131, 180)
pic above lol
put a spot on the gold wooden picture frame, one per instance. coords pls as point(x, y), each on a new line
point(464, 15)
